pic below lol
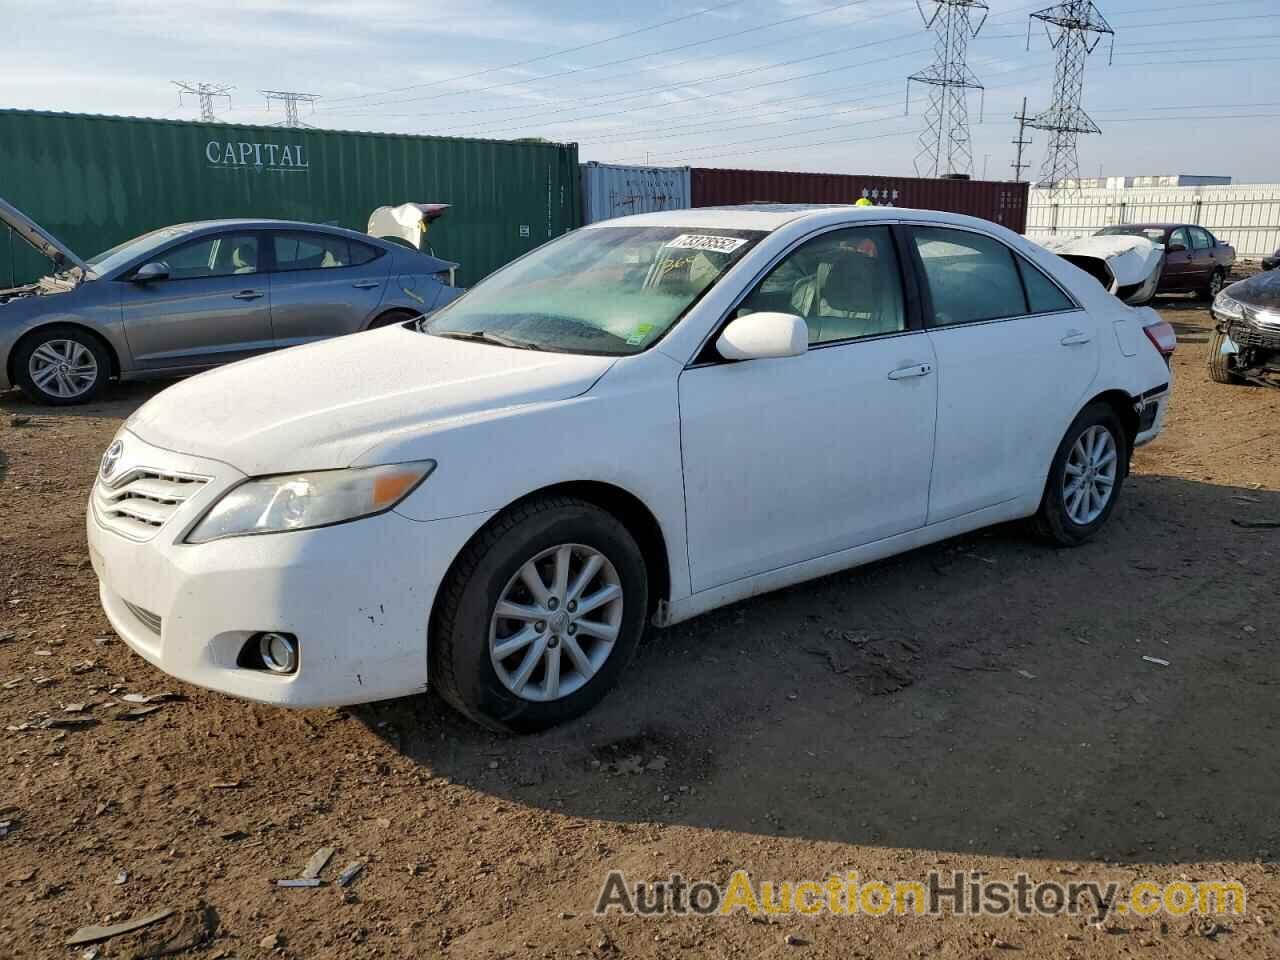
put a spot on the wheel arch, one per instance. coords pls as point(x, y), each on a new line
point(112, 355)
point(1122, 403)
point(629, 510)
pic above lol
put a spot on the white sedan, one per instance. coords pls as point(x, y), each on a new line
point(641, 421)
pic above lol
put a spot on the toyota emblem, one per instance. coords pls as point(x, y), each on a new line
point(111, 458)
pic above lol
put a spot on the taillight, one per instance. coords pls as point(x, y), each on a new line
point(1162, 337)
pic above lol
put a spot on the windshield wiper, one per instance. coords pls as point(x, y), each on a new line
point(481, 336)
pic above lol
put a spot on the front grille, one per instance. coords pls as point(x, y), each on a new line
point(151, 621)
point(1259, 328)
point(138, 503)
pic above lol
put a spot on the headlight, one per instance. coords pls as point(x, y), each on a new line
point(301, 500)
point(1228, 308)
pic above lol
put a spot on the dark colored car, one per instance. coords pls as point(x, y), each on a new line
point(1195, 261)
point(196, 295)
point(1245, 346)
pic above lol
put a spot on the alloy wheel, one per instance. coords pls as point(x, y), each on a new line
point(63, 368)
point(556, 622)
point(1089, 477)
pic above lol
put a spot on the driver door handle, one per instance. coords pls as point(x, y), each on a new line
point(915, 370)
point(366, 284)
point(1075, 337)
point(248, 295)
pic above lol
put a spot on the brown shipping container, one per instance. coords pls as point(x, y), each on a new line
point(1004, 202)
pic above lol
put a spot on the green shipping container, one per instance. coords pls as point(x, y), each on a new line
point(94, 181)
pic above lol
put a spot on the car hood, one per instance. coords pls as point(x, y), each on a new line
point(335, 403)
point(1261, 291)
point(1128, 266)
point(40, 238)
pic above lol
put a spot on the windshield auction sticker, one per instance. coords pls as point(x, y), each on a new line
point(706, 241)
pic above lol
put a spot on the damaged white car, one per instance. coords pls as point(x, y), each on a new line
point(1128, 266)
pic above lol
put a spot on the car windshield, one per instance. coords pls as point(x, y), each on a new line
point(1154, 234)
point(604, 290)
point(119, 255)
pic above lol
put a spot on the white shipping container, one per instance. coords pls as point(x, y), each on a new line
point(611, 191)
point(1247, 216)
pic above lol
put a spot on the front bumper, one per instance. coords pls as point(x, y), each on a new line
point(357, 596)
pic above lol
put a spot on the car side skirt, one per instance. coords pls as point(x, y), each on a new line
point(706, 600)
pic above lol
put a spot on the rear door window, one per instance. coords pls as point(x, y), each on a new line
point(971, 277)
point(1043, 295)
point(311, 251)
point(1200, 239)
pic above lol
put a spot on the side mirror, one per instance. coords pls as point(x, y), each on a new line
point(156, 270)
point(1176, 248)
point(759, 336)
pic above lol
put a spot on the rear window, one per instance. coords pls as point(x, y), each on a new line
point(1154, 234)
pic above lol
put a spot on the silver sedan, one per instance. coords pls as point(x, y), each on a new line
point(197, 295)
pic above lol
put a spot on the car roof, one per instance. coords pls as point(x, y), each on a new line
point(772, 216)
point(245, 223)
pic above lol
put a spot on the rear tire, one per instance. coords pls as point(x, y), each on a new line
point(1216, 282)
point(1063, 517)
point(467, 667)
point(1221, 365)
point(61, 365)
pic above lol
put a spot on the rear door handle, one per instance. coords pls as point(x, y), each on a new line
point(1075, 337)
point(248, 295)
point(915, 370)
point(367, 284)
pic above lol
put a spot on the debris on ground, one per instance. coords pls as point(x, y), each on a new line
point(1157, 660)
point(95, 933)
point(350, 872)
point(138, 713)
point(151, 697)
point(317, 863)
point(300, 882)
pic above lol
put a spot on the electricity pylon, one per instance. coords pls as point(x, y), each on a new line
point(944, 142)
point(205, 92)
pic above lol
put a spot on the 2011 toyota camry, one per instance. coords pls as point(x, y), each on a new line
point(641, 421)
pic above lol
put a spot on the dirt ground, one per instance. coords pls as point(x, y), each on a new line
point(982, 704)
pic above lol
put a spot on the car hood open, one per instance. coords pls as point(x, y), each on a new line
point(41, 239)
point(330, 404)
point(1128, 266)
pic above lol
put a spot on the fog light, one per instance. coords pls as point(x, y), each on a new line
point(279, 652)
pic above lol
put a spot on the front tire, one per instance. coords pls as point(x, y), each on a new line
point(1085, 477)
point(1221, 365)
point(539, 616)
point(61, 365)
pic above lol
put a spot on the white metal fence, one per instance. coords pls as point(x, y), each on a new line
point(1247, 217)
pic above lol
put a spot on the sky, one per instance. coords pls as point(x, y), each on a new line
point(773, 84)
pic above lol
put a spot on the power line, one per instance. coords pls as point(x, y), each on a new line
point(539, 59)
point(505, 124)
point(640, 56)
